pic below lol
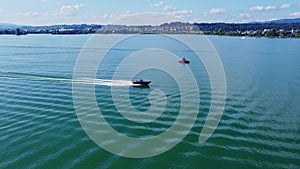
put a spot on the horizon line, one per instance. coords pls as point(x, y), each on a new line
point(14, 24)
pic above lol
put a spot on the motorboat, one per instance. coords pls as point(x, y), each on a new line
point(141, 82)
point(184, 61)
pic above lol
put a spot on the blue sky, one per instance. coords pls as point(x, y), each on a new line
point(48, 12)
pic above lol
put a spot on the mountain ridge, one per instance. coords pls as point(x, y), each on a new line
point(288, 20)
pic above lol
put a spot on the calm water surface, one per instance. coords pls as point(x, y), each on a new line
point(259, 127)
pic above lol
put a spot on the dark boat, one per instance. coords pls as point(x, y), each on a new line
point(141, 82)
point(184, 61)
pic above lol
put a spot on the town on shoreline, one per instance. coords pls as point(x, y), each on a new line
point(265, 29)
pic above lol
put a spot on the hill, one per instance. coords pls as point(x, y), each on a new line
point(288, 21)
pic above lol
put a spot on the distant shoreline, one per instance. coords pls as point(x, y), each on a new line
point(242, 36)
point(267, 29)
point(200, 33)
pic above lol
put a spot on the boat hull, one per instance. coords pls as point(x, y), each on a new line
point(141, 82)
point(184, 61)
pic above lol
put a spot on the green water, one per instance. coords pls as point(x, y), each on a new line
point(259, 127)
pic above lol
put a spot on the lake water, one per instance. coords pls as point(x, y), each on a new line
point(259, 128)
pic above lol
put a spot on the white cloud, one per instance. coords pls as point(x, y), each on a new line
point(169, 8)
point(296, 14)
point(256, 8)
point(108, 18)
point(285, 6)
point(116, 15)
point(124, 14)
point(268, 8)
point(105, 16)
point(245, 16)
point(70, 9)
point(158, 4)
point(30, 13)
point(217, 11)
point(180, 12)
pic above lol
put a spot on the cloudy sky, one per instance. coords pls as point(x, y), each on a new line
point(48, 12)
